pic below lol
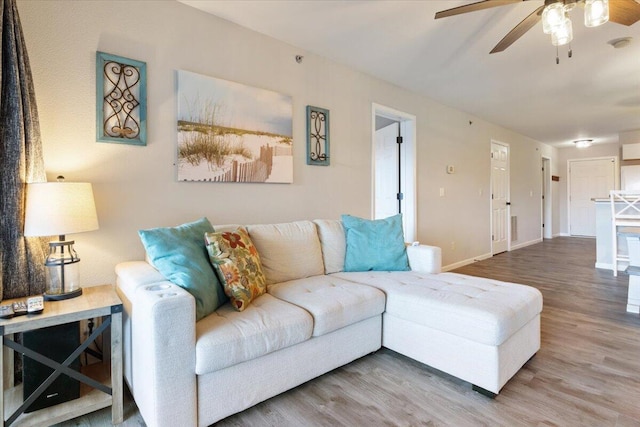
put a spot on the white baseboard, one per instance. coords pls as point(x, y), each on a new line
point(569, 235)
point(525, 244)
point(466, 262)
point(486, 256)
point(622, 265)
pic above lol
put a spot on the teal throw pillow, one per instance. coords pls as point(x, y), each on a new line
point(375, 244)
point(180, 254)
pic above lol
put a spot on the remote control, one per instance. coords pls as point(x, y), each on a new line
point(19, 308)
point(6, 311)
point(35, 305)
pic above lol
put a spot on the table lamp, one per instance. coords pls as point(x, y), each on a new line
point(60, 208)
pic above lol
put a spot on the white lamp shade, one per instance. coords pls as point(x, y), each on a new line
point(59, 208)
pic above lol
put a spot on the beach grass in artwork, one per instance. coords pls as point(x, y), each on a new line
point(230, 132)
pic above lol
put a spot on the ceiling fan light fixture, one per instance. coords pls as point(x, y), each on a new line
point(553, 16)
point(596, 12)
point(563, 34)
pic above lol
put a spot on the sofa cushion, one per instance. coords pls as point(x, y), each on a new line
point(228, 337)
point(333, 242)
point(333, 302)
point(288, 251)
point(483, 310)
point(237, 263)
point(179, 253)
point(375, 244)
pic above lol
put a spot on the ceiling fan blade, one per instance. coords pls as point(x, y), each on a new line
point(485, 4)
point(625, 12)
point(519, 30)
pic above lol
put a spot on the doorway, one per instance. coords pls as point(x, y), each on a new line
point(500, 230)
point(588, 179)
point(394, 176)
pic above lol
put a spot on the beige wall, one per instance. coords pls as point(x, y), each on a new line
point(136, 187)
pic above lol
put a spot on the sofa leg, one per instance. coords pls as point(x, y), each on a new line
point(483, 391)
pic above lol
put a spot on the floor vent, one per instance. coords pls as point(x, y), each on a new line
point(514, 228)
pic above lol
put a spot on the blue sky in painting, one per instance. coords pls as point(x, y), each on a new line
point(240, 106)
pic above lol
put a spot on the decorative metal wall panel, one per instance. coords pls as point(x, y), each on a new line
point(121, 100)
point(317, 136)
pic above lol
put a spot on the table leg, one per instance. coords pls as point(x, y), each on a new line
point(2, 384)
point(117, 410)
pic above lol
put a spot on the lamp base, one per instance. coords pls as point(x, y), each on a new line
point(62, 296)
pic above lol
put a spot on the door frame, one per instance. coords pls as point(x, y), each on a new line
point(616, 180)
point(504, 144)
point(547, 203)
point(408, 159)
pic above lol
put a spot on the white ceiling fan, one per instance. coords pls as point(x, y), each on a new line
point(554, 17)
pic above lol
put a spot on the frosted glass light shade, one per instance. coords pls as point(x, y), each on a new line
point(553, 16)
point(59, 208)
point(583, 143)
point(562, 34)
point(596, 12)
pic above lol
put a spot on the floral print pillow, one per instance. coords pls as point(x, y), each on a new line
point(237, 263)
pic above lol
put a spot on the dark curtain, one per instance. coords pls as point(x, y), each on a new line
point(22, 269)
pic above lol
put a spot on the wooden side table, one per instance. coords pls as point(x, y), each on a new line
point(633, 243)
point(101, 383)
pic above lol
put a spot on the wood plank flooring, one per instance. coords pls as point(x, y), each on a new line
point(587, 372)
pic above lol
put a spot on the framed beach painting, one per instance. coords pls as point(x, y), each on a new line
point(231, 132)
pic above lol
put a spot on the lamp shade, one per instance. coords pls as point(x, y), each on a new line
point(59, 208)
point(563, 34)
point(553, 16)
point(596, 12)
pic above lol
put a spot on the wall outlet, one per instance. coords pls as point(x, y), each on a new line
point(453, 246)
point(441, 191)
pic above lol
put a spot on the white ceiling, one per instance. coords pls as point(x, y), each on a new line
point(595, 94)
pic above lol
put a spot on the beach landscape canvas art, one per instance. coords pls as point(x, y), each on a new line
point(231, 132)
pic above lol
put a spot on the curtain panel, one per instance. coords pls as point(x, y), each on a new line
point(22, 270)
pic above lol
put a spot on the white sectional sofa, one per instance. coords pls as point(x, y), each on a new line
point(314, 318)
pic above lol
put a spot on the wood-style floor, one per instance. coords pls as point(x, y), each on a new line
point(587, 372)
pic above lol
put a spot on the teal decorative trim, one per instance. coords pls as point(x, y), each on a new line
point(121, 100)
point(317, 136)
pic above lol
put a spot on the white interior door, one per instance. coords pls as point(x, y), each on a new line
point(390, 174)
point(386, 180)
point(588, 179)
point(499, 197)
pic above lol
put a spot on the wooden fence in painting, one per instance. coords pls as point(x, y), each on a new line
point(282, 151)
point(257, 170)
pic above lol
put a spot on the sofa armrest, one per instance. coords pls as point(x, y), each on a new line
point(425, 259)
point(159, 345)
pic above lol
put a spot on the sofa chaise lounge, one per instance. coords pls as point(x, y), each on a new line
point(314, 318)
